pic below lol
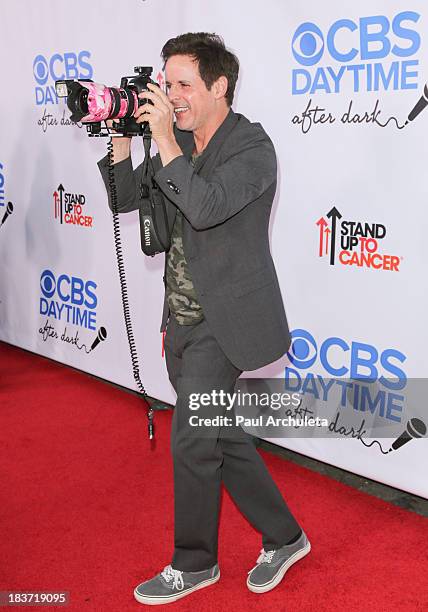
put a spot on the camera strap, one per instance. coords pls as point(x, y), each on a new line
point(154, 226)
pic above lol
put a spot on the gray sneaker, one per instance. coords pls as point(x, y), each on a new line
point(171, 584)
point(272, 565)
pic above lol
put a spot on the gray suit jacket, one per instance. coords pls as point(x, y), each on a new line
point(226, 200)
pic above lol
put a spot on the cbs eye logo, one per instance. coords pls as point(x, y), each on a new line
point(303, 350)
point(307, 44)
point(47, 283)
point(40, 70)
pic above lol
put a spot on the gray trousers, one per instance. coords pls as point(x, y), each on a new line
point(204, 457)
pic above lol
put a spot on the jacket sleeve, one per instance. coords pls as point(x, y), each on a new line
point(126, 180)
point(245, 175)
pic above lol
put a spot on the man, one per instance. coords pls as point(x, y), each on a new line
point(223, 306)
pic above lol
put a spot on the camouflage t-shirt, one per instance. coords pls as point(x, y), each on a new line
point(180, 292)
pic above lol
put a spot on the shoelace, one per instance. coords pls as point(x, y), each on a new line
point(264, 557)
point(171, 574)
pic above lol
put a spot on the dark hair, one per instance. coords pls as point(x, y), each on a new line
point(214, 60)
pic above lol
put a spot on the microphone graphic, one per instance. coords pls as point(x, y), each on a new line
point(415, 428)
point(101, 336)
point(9, 211)
point(419, 106)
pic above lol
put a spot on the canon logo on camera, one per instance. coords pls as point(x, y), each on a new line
point(147, 237)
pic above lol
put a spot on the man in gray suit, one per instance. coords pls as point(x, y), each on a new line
point(223, 310)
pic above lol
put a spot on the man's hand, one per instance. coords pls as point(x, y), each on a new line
point(160, 114)
point(160, 117)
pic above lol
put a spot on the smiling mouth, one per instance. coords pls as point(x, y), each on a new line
point(180, 110)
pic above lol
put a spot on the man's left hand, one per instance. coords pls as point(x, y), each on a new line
point(159, 115)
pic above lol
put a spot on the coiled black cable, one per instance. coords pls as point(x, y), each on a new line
point(124, 289)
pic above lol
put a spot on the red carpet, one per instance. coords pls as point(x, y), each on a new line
point(87, 507)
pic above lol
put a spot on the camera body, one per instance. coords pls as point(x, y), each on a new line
point(94, 103)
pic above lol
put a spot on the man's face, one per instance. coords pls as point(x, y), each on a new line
point(187, 92)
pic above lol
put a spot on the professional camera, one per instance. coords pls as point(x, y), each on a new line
point(93, 103)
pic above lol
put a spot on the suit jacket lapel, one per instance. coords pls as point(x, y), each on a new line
point(187, 143)
point(208, 156)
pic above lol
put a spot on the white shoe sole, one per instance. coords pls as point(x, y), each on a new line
point(268, 586)
point(155, 601)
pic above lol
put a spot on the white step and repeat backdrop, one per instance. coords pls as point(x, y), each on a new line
point(333, 84)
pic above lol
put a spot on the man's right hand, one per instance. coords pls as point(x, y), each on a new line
point(121, 146)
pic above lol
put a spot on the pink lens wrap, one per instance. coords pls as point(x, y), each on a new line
point(100, 103)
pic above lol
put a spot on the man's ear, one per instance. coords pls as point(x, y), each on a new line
point(220, 87)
